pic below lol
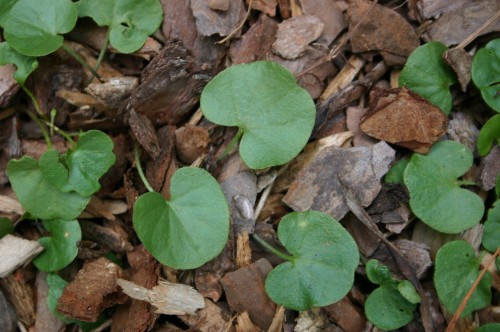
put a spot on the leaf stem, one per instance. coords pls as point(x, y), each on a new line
point(272, 249)
point(231, 145)
point(41, 125)
point(100, 58)
point(33, 99)
point(466, 183)
point(139, 169)
point(80, 59)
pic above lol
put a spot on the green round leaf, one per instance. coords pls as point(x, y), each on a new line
point(6, 227)
point(491, 232)
point(321, 271)
point(486, 73)
point(455, 272)
point(387, 309)
point(191, 228)
point(493, 327)
point(60, 247)
point(25, 64)
point(489, 135)
point(34, 26)
point(427, 74)
point(377, 273)
point(497, 186)
point(82, 166)
point(38, 196)
point(89, 161)
point(435, 194)
point(130, 22)
point(408, 291)
point(5, 7)
point(275, 114)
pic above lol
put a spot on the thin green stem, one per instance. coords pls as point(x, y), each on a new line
point(466, 183)
point(139, 169)
point(272, 249)
point(60, 132)
point(80, 59)
point(231, 145)
point(101, 57)
point(33, 99)
point(41, 125)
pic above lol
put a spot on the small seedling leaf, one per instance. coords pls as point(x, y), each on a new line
point(387, 309)
point(408, 291)
point(486, 73)
point(60, 247)
point(274, 113)
point(377, 273)
point(6, 227)
point(491, 232)
point(130, 22)
point(5, 7)
point(25, 64)
point(427, 74)
point(38, 196)
point(435, 194)
point(34, 27)
point(321, 270)
point(489, 135)
point(191, 228)
point(456, 269)
point(395, 174)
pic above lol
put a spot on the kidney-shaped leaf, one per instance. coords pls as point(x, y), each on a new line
point(38, 196)
point(25, 64)
point(486, 73)
point(491, 232)
point(5, 7)
point(387, 309)
point(60, 247)
point(82, 166)
point(456, 270)
point(435, 194)
point(321, 270)
point(274, 113)
point(34, 26)
point(377, 273)
point(191, 228)
point(427, 74)
point(489, 135)
point(130, 21)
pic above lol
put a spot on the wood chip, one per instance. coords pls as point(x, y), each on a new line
point(346, 315)
point(8, 85)
point(169, 298)
point(331, 15)
point(144, 132)
point(45, 321)
point(268, 7)
point(318, 186)
point(16, 252)
point(382, 30)
point(210, 22)
point(245, 292)
point(8, 319)
point(191, 142)
point(461, 63)
point(344, 77)
point(295, 34)
point(113, 91)
point(313, 320)
point(454, 26)
point(208, 319)
point(489, 169)
point(19, 293)
point(93, 290)
point(244, 324)
point(10, 205)
point(403, 118)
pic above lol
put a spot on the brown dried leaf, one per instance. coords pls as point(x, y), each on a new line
point(93, 290)
point(382, 30)
point(403, 118)
point(319, 186)
point(295, 34)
